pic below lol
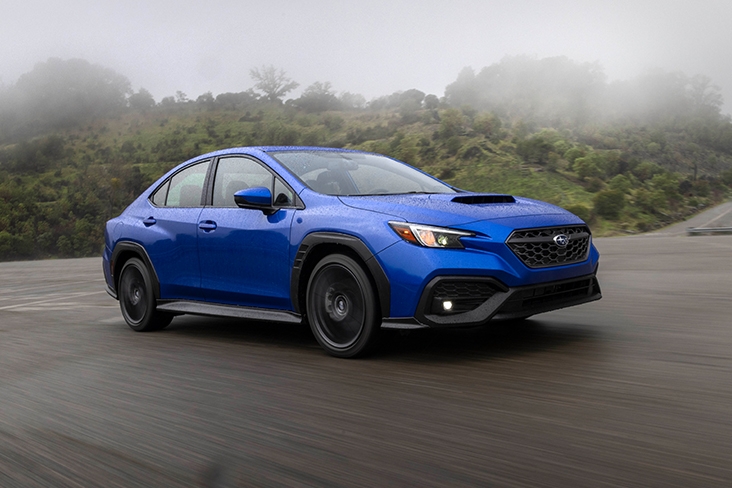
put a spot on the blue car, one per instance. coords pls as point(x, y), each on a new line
point(346, 241)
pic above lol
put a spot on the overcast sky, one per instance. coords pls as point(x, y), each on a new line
point(371, 47)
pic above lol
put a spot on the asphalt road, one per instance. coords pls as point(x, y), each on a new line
point(633, 390)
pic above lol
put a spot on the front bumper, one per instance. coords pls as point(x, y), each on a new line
point(475, 300)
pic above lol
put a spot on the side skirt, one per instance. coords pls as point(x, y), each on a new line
point(218, 310)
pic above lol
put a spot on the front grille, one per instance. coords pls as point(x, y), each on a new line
point(464, 295)
point(536, 247)
point(539, 296)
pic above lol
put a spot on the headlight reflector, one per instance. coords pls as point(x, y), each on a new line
point(429, 236)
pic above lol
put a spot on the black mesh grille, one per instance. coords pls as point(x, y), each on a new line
point(464, 295)
point(537, 248)
point(538, 296)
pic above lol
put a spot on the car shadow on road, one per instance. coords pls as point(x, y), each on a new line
point(495, 340)
point(241, 331)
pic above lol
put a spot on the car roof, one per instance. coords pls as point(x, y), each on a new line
point(270, 149)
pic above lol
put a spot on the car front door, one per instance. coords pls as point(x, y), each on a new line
point(244, 254)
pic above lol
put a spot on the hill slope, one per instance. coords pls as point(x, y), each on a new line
point(57, 190)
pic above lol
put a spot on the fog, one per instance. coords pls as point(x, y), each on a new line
point(369, 47)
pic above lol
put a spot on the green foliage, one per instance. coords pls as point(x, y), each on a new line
point(647, 170)
point(573, 153)
point(621, 183)
point(653, 202)
point(58, 188)
point(534, 150)
point(452, 123)
point(589, 166)
point(609, 203)
point(487, 124)
point(667, 183)
point(142, 100)
point(701, 188)
point(580, 211)
point(594, 184)
point(318, 97)
point(726, 177)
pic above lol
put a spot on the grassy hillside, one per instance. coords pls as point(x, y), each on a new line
point(58, 189)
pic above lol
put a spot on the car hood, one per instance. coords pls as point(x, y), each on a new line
point(464, 208)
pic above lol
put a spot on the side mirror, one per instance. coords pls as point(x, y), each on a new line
point(257, 198)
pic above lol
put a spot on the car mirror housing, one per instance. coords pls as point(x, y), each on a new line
point(257, 198)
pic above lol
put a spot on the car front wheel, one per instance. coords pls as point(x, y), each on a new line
point(136, 299)
point(341, 307)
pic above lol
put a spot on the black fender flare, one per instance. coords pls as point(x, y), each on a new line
point(354, 244)
point(139, 251)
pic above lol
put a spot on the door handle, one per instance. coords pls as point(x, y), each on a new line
point(149, 221)
point(207, 225)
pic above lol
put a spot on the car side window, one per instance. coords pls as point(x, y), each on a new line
point(283, 195)
point(234, 174)
point(186, 187)
point(158, 198)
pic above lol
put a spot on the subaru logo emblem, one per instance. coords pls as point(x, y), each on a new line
point(561, 240)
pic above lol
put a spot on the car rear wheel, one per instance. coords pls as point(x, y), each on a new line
point(136, 299)
point(341, 307)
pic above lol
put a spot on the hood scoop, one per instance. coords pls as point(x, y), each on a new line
point(481, 199)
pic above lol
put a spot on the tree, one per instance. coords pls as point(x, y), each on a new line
point(61, 93)
point(534, 150)
point(452, 123)
point(464, 90)
point(318, 97)
point(431, 102)
point(233, 101)
point(609, 203)
point(273, 83)
point(352, 100)
point(621, 183)
point(206, 100)
point(142, 100)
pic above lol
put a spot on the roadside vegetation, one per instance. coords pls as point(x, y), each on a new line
point(77, 144)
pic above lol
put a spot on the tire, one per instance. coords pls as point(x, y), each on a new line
point(136, 298)
point(341, 307)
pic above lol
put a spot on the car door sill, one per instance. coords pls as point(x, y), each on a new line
point(220, 310)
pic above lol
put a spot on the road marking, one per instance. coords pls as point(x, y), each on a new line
point(55, 285)
point(58, 308)
point(716, 218)
point(71, 295)
point(45, 296)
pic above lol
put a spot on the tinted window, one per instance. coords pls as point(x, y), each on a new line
point(186, 187)
point(160, 194)
point(234, 174)
point(283, 196)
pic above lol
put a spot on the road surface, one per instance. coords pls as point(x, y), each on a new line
point(634, 390)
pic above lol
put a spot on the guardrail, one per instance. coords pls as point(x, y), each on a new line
point(700, 231)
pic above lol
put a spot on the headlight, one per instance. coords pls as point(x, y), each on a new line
point(428, 236)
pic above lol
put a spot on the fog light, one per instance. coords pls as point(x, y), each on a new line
point(447, 305)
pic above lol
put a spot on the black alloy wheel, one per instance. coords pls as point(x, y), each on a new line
point(341, 307)
point(136, 299)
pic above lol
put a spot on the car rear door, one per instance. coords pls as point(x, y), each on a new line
point(171, 236)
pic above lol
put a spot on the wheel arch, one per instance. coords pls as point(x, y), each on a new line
point(125, 250)
point(317, 245)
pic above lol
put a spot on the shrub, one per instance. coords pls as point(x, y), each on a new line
point(580, 211)
point(609, 203)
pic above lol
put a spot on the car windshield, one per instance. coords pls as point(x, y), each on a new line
point(348, 173)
